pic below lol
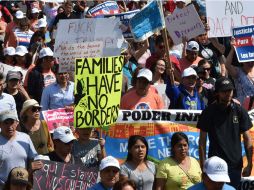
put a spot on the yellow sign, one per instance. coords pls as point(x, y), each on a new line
point(98, 86)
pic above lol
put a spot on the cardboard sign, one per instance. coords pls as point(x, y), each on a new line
point(223, 15)
point(148, 21)
point(184, 22)
point(98, 86)
point(58, 117)
point(125, 20)
point(89, 30)
point(108, 7)
point(244, 37)
point(69, 52)
point(56, 175)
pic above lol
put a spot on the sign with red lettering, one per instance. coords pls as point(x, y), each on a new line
point(223, 15)
point(56, 175)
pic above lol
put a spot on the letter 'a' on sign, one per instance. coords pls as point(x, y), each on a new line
point(98, 88)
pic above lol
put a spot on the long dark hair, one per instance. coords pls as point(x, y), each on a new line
point(132, 141)
point(177, 137)
point(124, 182)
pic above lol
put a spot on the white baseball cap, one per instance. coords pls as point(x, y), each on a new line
point(109, 161)
point(35, 10)
point(184, 1)
point(189, 72)
point(146, 73)
point(216, 169)
point(19, 15)
point(64, 134)
point(192, 46)
point(9, 51)
point(42, 23)
point(45, 52)
point(21, 50)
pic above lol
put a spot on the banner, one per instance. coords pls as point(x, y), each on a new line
point(98, 86)
point(148, 21)
point(244, 37)
point(184, 22)
point(69, 52)
point(4, 68)
point(125, 20)
point(108, 7)
point(56, 175)
point(223, 15)
point(157, 126)
point(89, 30)
point(58, 117)
point(246, 183)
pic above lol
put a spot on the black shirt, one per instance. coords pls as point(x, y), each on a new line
point(64, 16)
point(224, 127)
point(54, 157)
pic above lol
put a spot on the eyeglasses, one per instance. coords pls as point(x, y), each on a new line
point(35, 109)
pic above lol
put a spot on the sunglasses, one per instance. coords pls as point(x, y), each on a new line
point(207, 69)
point(35, 109)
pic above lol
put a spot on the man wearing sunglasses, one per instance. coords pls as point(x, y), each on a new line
point(191, 58)
point(59, 94)
point(16, 148)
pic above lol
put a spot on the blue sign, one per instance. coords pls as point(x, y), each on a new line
point(244, 43)
point(148, 21)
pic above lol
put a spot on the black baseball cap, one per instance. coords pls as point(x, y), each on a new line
point(223, 84)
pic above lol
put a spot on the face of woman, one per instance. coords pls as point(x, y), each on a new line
point(160, 66)
point(33, 112)
point(207, 69)
point(13, 83)
point(138, 150)
point(181, 149)
point(203, 38)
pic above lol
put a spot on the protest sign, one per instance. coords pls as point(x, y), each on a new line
point(146, 22)
point(69, 52)
point(58, 117)
point(246, 183)
point(244, 38)
point(223, 15)
point(98, 86)
point(184, 22)
point(125, 20)
point(157, 126)
point(108, 7)
point(89, 30)
point(4, 68)
point(56, 175)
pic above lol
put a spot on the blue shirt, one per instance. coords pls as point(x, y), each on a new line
point(201, 186)
point(54, 97)
point(128, 69)
point(99, 186)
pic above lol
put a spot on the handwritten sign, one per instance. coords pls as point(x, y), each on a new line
point(223, 15)
point(98, 85)
point(58, 117)
point(69, 52)
point(73, 31)
point(125, 20)
point(244, 37)
point(184, 22)
point(108, 7)
point(4, 68)
point(148, 21)
point(56, 175)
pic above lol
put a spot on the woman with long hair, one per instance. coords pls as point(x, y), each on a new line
point(136, 166)
point(35, 127)
point(159, 72)
point(179, 171)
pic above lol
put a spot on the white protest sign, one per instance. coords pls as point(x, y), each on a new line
point(68, 53)
point(5, 68)
point(223, 15)
point(107, 30)
point(184, 22)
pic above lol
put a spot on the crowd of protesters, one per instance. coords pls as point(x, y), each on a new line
point(204, 75)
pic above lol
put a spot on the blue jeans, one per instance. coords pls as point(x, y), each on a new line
point(235, 177)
